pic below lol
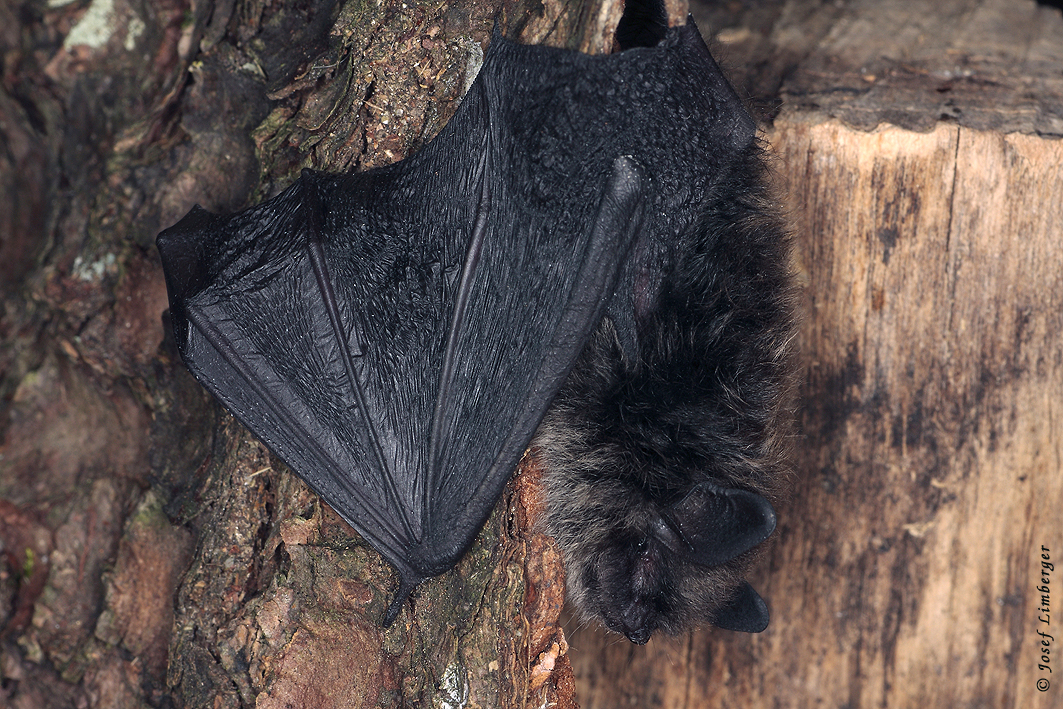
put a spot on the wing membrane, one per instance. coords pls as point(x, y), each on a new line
point(535, 303)
point(397, 335)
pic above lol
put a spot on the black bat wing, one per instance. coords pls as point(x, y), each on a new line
point(517, 327)
point(396, 336)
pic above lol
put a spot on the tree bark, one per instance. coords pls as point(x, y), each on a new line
point(155, 554)
point(920, 148)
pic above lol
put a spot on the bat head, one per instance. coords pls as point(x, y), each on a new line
point(672, 567)
point(657, 517)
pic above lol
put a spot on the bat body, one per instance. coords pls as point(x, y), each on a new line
point(669, 435)
point(397, 336)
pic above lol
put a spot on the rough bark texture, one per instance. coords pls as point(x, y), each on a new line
point(907, 568)
point(153, 552)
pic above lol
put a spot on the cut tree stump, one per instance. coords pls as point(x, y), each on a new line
point(919, 144)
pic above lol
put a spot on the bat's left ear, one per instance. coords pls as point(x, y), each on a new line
point(717, 524)
point(745, 613)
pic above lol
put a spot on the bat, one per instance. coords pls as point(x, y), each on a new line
point(593, 230)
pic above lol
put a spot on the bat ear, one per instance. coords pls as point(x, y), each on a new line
point(717, 523)
point(745, 613)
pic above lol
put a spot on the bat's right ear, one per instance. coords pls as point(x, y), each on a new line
point(717, 524)
point(745, 613)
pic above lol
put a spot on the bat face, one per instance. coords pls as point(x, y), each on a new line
point(636, 585)
point(637, 575)
point(587, 232)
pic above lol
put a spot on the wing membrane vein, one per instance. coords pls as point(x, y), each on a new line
point(457, 323)
point(328, 296)
point(234, 359)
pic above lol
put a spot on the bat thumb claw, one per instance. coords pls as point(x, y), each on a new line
point(406, 586)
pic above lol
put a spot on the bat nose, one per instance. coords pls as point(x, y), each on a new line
point(639, 636)
point(638, 622)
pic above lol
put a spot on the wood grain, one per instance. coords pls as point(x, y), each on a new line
point(919, 151)
point(986, 64)
point(929, 460)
